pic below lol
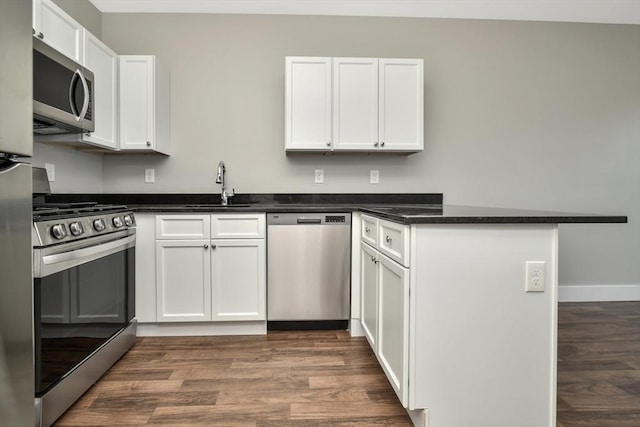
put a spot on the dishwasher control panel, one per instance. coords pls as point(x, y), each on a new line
point(335, 218)
point(317, 218)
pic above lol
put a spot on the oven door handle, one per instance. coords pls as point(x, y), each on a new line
point(55, 263)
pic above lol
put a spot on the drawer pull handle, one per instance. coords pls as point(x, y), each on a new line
point(388, 239)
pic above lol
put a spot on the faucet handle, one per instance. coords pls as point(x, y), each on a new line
point(232, 193)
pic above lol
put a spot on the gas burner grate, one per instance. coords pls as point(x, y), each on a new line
point(71, 210)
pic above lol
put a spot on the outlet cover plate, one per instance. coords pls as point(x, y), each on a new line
point(535, 280)
point(149, 175)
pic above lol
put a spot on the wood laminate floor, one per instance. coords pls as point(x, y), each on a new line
point(328, 378)
point(599, 364)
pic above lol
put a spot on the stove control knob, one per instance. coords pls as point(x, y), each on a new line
point(98, 224)
point(117, 222)
point(128, 220)
point(58, 231)
point(76, 228)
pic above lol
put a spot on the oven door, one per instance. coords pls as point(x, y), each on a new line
point(83, 295)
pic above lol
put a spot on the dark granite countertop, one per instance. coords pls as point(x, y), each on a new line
point(405, 208)
point(454, 214)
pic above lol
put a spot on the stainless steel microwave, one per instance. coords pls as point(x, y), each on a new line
point(62, 93)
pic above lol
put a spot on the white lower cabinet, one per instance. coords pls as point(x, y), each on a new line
point(369, 294)
point(385, 316)
point(238, 279)
point(146, 307)
point(448, 336)
point(384, 312)
point(195, 276)
point(183, 274)
point(393, 324)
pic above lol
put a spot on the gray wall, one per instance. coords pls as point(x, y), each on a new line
point(75, 171)
point(517, 114)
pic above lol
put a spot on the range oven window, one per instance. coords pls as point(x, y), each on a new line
point(77, 310)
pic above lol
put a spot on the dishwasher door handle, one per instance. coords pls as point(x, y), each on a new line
point(309, 221)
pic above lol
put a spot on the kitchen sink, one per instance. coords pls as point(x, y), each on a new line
point(217, 205)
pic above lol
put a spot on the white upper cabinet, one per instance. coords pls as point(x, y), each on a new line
point(56, 28)
point(354, 104)
point(307, 103)
point(103, 62)
point(401, 104)
point(144, 104)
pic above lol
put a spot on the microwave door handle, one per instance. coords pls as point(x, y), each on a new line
point(85, 103)
point(72, 100)
point(72, 88)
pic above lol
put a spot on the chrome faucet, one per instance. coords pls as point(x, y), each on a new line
point(224, 196)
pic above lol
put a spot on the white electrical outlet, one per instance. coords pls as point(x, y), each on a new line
point(374, 176)
point(535, 276)
point(149, 175)
point(319, 176)
point(51, 171)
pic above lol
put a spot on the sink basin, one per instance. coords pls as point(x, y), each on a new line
point(217, 205)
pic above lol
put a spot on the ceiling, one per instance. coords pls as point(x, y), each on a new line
point(596, 11)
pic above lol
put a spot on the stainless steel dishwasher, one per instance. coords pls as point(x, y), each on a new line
point(308, 270)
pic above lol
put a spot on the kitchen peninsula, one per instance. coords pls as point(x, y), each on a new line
point(459, 304)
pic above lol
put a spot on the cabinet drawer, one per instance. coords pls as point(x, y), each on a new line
point(393, 241)
point(238, 226)
point(369, 230)
point(183, 227)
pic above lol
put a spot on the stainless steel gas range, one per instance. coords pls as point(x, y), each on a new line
point(84, 298)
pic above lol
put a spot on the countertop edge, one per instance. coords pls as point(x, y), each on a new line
point(558, 218)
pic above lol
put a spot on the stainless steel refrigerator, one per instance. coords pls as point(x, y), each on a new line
point(16, 283)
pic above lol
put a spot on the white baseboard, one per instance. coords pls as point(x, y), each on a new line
point(419, 417)
point(355, 328)
point(594, 293)
point(201, 329)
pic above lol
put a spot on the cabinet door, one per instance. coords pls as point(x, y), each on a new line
point(104, 64)
point(393, 323)
point(393, 241)
point(238, 226)
point(183, 274)
point(355, 104)
point(137, 102)
point(401, 105)
point(183, 227)
point(307, 103)
point(58, 29)
point(238, 279)
point(146, 267)
point(369, 293)
point(369, 231)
